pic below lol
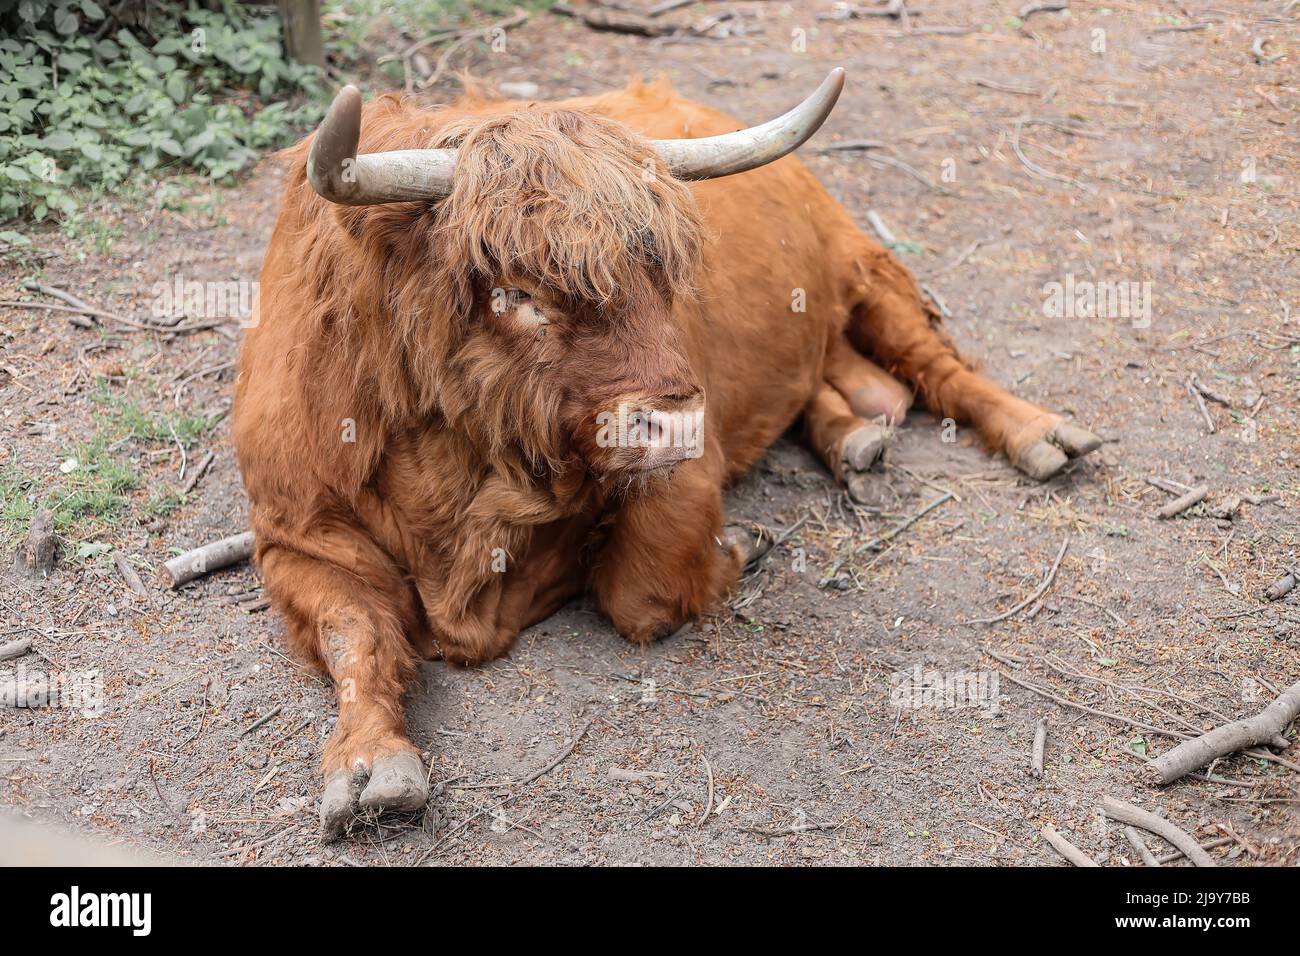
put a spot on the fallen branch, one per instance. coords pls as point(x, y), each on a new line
point(808, 827)
point(1179, 505)
point(617, 21)
point(262, 721)
point(1135, 840)
point(1066, 702)
point(851, 144)
point(1004, 87)
point(211, 557)
point(1210, 393)
point(1166, 484)
point(1257, 48)
point(1040, 744)
point(883, 231)
point(1038, 591)
point(1173, 855)
point(559, 759)
point(197, 473)
point(634, 776)
point(485, 33)
point(1183, 27)
point(708, 804)
point(1122, 812)
point(1281, 587)
point(1067, 849)
point(1039, 171)
point(85, 308)
point(1197, 397)
point(74, 315)
point(1030, 9)
point(907, 168)
point(904, 524)
point(129, 576)
point(15, 648)
point(1229, 738)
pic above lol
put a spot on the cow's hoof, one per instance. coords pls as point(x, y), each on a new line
point(1046, 457)
point(397, 783)
point(863, 447)
point(748, 544)
point(338, 804)
point(868, 489)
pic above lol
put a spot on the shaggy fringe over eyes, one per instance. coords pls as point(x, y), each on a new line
point(568, 200)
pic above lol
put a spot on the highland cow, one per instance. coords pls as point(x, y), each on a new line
point(508, 353)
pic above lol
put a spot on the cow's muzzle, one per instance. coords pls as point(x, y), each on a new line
point(638, 436)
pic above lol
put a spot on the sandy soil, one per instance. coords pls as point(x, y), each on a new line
point(772, 731)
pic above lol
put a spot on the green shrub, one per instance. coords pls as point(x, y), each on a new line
point(87, 105)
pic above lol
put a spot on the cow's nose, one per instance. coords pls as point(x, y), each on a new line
point(672, 430)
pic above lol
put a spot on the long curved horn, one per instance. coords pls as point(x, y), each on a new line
point(340, 175)
point(712, 156)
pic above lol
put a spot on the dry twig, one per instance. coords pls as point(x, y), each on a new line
point(1066, 848)
point(211, 557)
point(1040, 745)
point(1189, 500)
point(1229, 738)
point(1122, 812)
point(1038, 591)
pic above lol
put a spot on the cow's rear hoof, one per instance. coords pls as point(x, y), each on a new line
point(1047, 457)
point(397, 783)
point(864, 447)
point(338, 803)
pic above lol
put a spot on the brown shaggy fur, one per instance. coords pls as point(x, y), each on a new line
point(422, 466)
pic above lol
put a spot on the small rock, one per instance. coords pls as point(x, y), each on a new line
point(520, 90)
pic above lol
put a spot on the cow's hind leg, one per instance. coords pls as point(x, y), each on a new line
point(872, 393)
point(897, 329)
point(849, 444)
point(354, 623)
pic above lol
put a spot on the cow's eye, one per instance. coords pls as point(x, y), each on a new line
point(502, 300)
point(519, 309)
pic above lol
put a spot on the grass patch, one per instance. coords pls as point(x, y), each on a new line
point(125, 419)
point(98, 488)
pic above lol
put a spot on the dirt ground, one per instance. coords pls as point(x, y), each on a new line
point(1151, 149)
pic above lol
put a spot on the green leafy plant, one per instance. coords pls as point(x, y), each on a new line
point(87, 104)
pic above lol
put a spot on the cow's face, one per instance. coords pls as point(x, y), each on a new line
point(553, 246)
point(614, 379)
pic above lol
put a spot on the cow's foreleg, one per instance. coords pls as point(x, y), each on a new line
point(667, 557)
point(354, 624)
point(896, 328)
